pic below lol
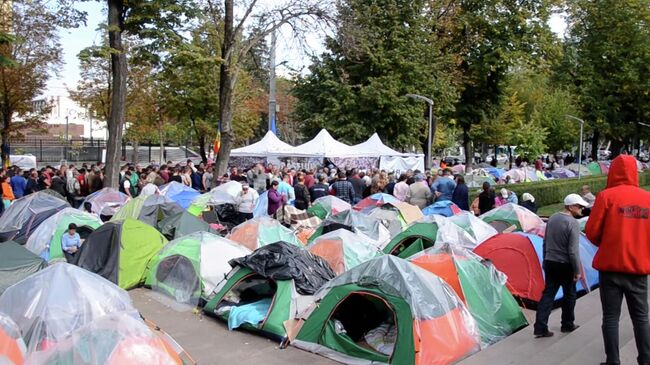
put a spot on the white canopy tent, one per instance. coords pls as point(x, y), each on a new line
point(270, 145)
point(324, 145)
point(389, 159)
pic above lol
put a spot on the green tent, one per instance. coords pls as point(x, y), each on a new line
point(181, 224)
point(480, 286)
point(189, 268)
point(328, 205)
point(46, 239)
point(387, 311)
point(415, 238)
point(17, 263)
point(262, 231)
point(149, 209)
point(354, 221)
point(120, 251)
point(594, 168)
point(267, 288)
point(508, 215)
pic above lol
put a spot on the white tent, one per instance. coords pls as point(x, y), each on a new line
point(377, 147)
point(270, 145)
point(324, 145)
point(390, 159)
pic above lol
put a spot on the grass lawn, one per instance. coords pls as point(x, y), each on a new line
point(546, 211)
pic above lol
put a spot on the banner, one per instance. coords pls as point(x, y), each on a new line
point(400, 165)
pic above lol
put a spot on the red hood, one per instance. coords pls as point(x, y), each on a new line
point(623, 171)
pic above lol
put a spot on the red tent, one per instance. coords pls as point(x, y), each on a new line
point(514, 255)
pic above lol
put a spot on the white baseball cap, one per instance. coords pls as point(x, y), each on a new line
point(504, 192)
point(528, 197)
point(575, 199)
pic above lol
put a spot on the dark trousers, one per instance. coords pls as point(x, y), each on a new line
point(556, 275)
point(243, 217)
point(635, 288)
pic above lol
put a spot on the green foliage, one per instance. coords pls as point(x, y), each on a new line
point(607, 61)
point(383, 50)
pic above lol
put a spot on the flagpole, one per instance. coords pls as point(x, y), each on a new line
point(272, 100)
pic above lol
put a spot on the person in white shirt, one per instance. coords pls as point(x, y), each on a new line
point(246, 202)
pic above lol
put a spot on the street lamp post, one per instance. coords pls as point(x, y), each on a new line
point(582, 125)
point(430, 137)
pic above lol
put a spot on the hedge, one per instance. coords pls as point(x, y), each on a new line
point(553, 191)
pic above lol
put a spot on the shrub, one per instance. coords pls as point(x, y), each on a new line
point(553, 191)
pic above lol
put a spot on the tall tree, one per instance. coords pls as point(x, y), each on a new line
point(608, 63)
point(492, 36)
point(296, 13)
point(33, 52)
point(156, 20)
point(382, 50)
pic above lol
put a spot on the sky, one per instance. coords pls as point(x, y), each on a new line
point(291, 56)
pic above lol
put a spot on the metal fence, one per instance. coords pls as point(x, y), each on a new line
point(48, 150)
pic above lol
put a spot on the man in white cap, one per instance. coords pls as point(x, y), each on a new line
point(561, 265)
point(528, 202)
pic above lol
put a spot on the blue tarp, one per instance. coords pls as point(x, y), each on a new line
point(252, 313)
point(443, 208)
point(180, 194)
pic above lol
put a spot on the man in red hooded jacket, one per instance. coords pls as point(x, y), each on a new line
point(619, 225)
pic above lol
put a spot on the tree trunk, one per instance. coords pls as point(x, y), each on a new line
point(595, 145)
point(202, 151)
point(6, 123)
point(119, 72)
point(467, 145)
point(136, 151)
point(226, 86)
point(161, 136)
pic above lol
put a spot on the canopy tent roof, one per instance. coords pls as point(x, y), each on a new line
point(375, 146)
point(324, 145)
point(269, 145)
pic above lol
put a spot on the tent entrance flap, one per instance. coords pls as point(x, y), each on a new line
point(177, 274)
point(411, 245)
point(362, 325)
point(248, 290)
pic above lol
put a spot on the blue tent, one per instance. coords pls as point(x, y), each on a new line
point(180, 194)
point(496, 172)
point(587, 253)
point(444, 208)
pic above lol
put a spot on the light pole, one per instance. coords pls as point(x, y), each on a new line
point(430, 138)
point(582, 125)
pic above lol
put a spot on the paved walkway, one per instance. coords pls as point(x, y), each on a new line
point(584, 346)
point(209, 342)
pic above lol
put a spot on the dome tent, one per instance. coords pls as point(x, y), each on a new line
point(417, 317)
point(151, 209)
point(520, 256)
point(51, 304)
point(189, 268)
point(26, 214)
point(181, 224)
point(355, 222)
point(262, 231)
point(46, 239)
point(509, 215)
point(444, 208)
point(473, 225)
point(328, 205)
point(12, 346)
point(120, 251)
point(267, 288)
point(374, 201)
point(344, 250)
point(105, 202)
point(480, 286)
point(426, 233)
point(223, 194)
point(114, 339)
point(181, 194)
point(17, 263)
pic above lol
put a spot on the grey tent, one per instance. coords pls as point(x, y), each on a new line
point(17, 263)
point(151, 209)
point(354, 221)
point(182, 224)
point(27, 213)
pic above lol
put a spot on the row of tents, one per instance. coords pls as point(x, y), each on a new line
point(379, 282)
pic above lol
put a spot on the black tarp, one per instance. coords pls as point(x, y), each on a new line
point(100, 252)
point(17, 263)
point(283, 261)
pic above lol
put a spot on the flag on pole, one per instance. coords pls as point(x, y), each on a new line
point(217, 142)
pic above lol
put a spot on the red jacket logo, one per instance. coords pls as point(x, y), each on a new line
point(635, 212)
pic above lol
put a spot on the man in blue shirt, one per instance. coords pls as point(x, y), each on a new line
point(18, 183)
point(286, 189)
point(443, 187)
point(70, 243)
